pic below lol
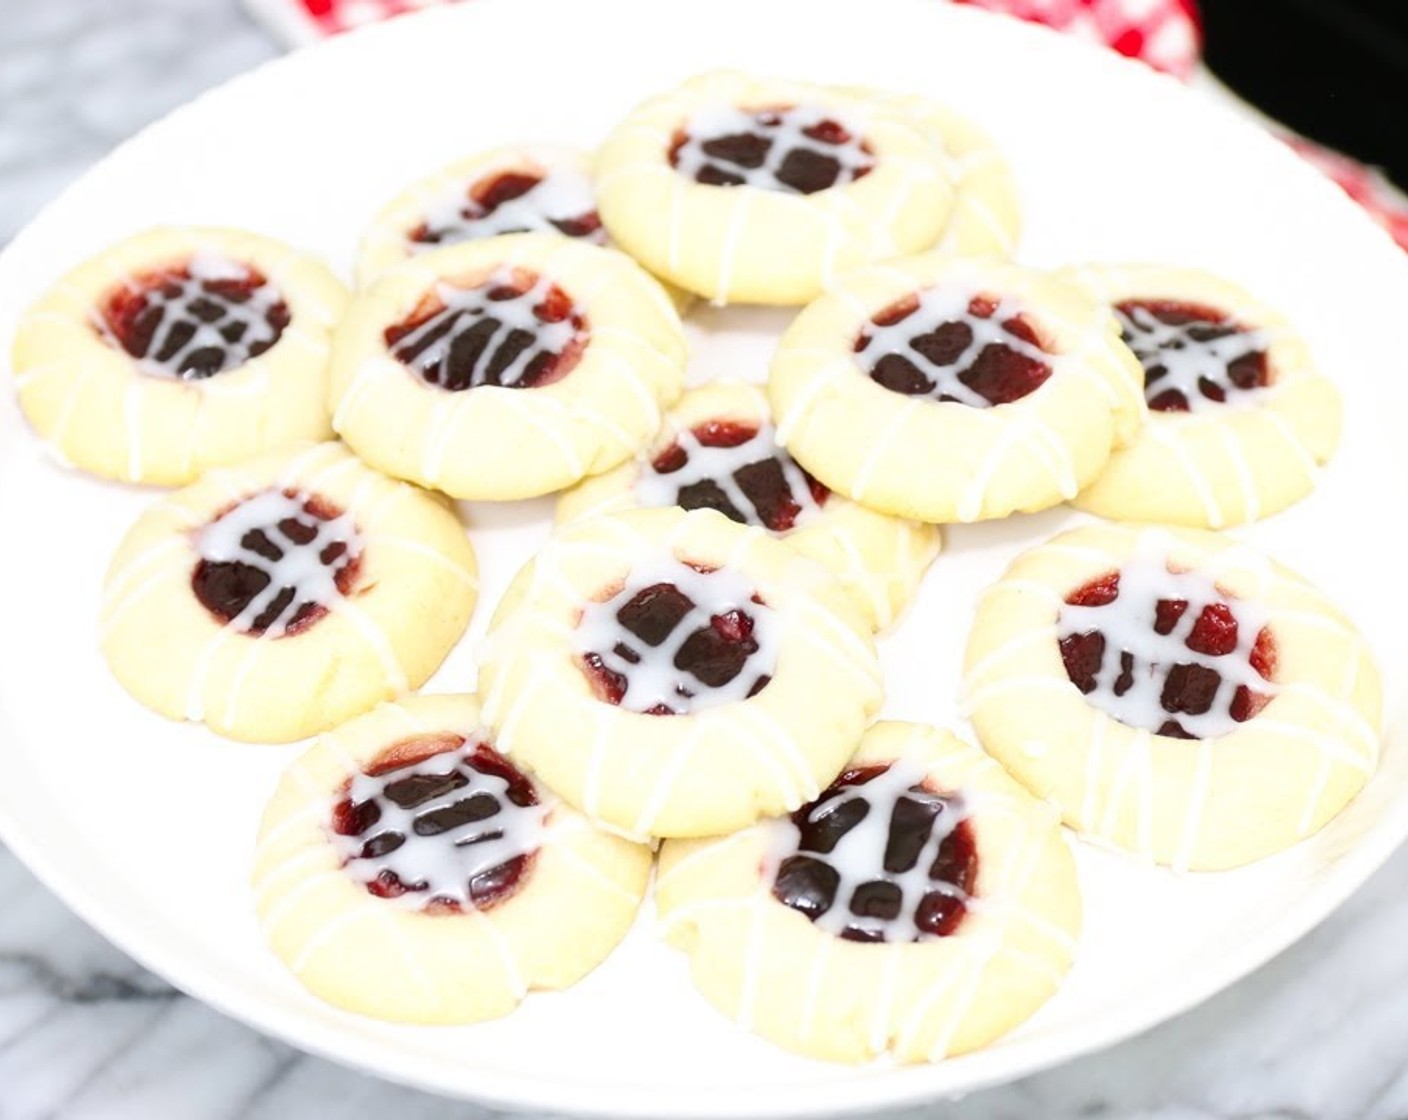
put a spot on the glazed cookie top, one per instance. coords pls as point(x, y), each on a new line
point(755, 189)
point(879, 856)
point(439, 823)
point(947, 389)
point(518, 189)
point(1194, 357)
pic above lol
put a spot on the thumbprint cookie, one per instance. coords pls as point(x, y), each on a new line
point(506, 368)
point(761, 190)
point(718, 450)
point(280, 597)
point(1240, 420)
point(921, 906)
point(521, 189)
point(675, 673)
point(407, 871)
point(1173, 693)
point(949, 389)
point(179, 350)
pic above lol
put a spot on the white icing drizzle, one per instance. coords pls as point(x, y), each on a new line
point(720, 466)
point(1128, 625)
point(177, 297)
point(564, 195)
point(859, 855)
point(653, 679)
point(299, 565)
point(1189, 361)
point(937, 307)
point(786, 129)
point(446, 861)
point(433, 344)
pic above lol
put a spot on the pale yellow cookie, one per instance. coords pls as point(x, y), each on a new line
point(508, 367)
point(1173, 693)
point(761, 190)
point(519, 189)
point(407, 871)
point(178, 350)
point(277, 598)
point(923, 906)
point(947, 388)
point(717, 450)
point(674, 673)
point(986, 215)
point(1240, 419)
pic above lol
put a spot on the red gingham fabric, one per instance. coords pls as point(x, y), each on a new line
point(1164, 33)
point(1384, 202)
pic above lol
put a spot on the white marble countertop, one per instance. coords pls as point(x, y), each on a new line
point(1322, 1031)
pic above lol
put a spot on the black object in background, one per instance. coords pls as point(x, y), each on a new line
point(1334, 70)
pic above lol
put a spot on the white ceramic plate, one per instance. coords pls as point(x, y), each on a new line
point(146, 827)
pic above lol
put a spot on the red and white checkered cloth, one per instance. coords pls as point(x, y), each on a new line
point(1166, 34)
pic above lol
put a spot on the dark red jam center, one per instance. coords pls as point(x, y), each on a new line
point(708, 652)
point(514, 330)
point(1191, 353)
point(439, 787)
point(483, 201)
point(1188, 687)
point(191, 327)
point(252, 564)
point(985, 354)
point(888, 902)
point(760, 484)
point(785, 149)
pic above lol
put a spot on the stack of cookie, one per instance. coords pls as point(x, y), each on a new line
point(687, 669)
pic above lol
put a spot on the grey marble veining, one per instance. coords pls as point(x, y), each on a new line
point(88, 1034)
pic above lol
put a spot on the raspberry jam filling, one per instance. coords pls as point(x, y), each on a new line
point(736, 468)
point(515, 329)
point(676, 639)
point(196, 320)
point(561, 201)
point(879, 857)
point(797, 149)
point(1194, 357)
point(441, 824)
point(274, 563)
point(952, 346)
point(1167, 651)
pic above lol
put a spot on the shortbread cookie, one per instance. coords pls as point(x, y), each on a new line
point(952, 389)
point(280, 597)
point(520, 189)
point(717, 450)
point(986, 216)
point(506, 368)
point(922, 906)
point(674, 673)
point(1239, 417)
point(760, 190)
point(408, 871)
point(1173, 693)
point(179, 350)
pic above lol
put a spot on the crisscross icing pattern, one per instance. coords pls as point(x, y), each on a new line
point(953, 345)
point(515, 329)
point(1167, 651)
point(676, 639)
point(562, 201)
point(800, 149)
point(737, 469)
point(878, 857)
point(453, 830)
point(1194, 358)
point(275, 562)
point(192, 322)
